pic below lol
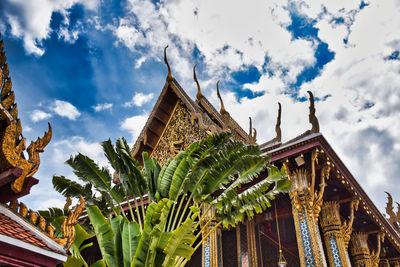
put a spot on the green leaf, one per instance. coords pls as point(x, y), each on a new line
point(104, 234)
point(130, 241)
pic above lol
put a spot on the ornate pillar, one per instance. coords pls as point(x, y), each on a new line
point(246, 244)
point(361, 255)
point(212, 247)
point(306, 206)
point(336, 234)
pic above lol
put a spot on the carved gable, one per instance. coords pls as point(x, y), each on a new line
point(179, 133)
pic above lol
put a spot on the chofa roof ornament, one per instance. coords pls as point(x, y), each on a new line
point(222, 110)
point(278, 124)
point(169, 76)
point(199, 94)
point(312, 118)
point(252, 133)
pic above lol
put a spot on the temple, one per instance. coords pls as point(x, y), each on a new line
point(326, 220)
point(26, 238)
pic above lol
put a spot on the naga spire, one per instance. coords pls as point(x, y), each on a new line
point(222, 110)
point(312, 118)
point(199, 94)
point(169, 76)
point(278, 124)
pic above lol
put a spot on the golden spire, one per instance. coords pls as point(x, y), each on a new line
point(222, 110)
point(169, 76)
point(278, 124)
point(312, 118)
point(199, 94)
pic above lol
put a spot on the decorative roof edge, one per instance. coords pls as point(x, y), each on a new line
point(28, 225)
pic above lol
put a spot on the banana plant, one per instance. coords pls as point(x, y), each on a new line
point(167, 230)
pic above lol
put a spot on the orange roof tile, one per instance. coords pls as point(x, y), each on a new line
point(13, 229)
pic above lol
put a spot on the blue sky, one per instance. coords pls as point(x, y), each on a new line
point(94, 70)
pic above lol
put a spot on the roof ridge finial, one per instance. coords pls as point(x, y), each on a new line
point(252, 135)
point(199, 94)
point(312, 118)
point(222, 110)
point(278, 124)
point(169, 76)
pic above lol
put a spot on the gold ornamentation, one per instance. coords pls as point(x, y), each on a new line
point(68, 226)
point(312, 118)
point(199, 94)
point(169, 76)
point(179, 133)
point(306, 206)
point(347, 227)
point(12, 143)
point(394, 218)
point(375, 255)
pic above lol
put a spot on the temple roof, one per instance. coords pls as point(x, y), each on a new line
point(201, 111)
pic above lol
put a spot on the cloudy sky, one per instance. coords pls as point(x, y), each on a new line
point(94, 70)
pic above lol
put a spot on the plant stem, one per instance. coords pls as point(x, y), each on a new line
point(177, 213)
point(137, 213)
point(202, 240)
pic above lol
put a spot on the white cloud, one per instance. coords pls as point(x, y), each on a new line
point(30, 20)
point(104, 106)
point(139, 99)
point(65, 109)
point(39, 115)
point(134, 125)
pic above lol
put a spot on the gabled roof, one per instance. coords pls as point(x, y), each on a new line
point(201, 110)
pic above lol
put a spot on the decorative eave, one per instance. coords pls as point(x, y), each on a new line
point(316, 140)
point(44, 231)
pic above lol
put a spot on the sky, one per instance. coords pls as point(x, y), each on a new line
point(94, 70)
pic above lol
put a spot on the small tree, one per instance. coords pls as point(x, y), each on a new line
point(168, 230)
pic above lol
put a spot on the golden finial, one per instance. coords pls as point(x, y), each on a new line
point(312, 118)
point(199, 94)
point(222, 110)
point(278, 124)
point(169, 76)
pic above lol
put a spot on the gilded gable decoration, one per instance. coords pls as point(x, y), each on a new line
point(12, 142)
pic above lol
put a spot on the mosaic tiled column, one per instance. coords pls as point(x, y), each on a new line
point(361, 255)
point(212, 247)
point(306, 206)
point(246, 244)
point(336, 234)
